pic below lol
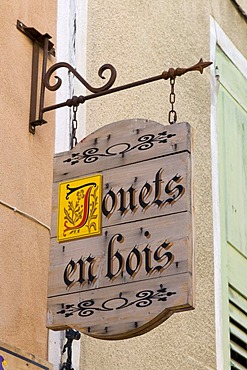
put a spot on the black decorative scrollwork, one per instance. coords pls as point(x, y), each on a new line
point(145, 142)
point(144, 299)
point(101, 71)
point(72, 190)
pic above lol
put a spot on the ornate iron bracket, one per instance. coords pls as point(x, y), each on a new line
point(39, 41)
point(96, 91)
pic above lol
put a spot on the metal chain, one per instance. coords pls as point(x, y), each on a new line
point(73, 141)
point(172, 115)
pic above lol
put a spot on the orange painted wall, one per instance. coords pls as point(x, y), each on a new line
point(26, 177)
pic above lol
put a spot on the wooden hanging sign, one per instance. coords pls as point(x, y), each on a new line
point(121, 257)
point(12, 358)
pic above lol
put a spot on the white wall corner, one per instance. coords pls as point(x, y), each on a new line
point(71, 48)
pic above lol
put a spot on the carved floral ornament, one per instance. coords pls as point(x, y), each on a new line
point(121, 245)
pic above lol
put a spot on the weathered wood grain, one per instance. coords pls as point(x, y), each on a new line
point(152, 173)
point(140, 270)
point(174, 230)
point(126, 312)
point(107, 144)
point(17, 359)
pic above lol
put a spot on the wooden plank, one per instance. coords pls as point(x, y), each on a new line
point(173, 232)
point(239, 349)
point(236, 365)
point(18, 359)
point(231, 78)
point(156, 187)
point(138, 307)
point(121, 143)
point(237, 271)
point(238, 299)
point(237, 315)
point(238, 333)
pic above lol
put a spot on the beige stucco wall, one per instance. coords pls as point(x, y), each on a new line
point(26, 177)
point(141, 39)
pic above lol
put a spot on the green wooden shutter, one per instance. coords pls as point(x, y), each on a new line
point(238, 330)
point(232, 145)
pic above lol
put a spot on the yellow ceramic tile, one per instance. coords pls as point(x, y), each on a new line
point(79, 208)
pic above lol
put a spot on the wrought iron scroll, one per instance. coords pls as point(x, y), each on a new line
point(106, 89)
point(40, 40)
point(102, 69)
